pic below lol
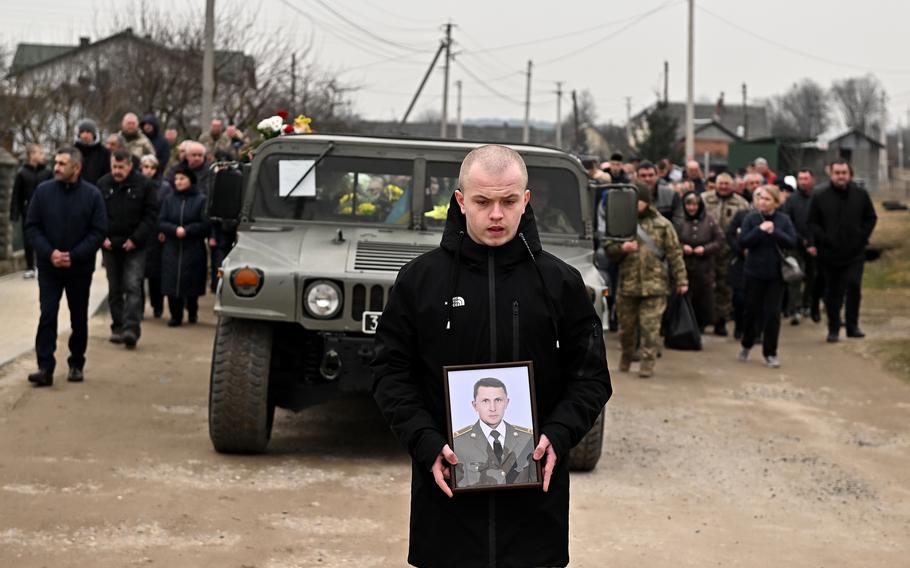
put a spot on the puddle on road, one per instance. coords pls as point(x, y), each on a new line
point(40, 489)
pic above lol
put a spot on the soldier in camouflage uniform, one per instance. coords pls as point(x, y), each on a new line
point(491, 451)
point(722, 204)
point(644, 282)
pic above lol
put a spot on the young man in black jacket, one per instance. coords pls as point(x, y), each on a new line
point(66, 224)
point(515, 302)
point(131, 203)
point(30, 175)
point(842, 218)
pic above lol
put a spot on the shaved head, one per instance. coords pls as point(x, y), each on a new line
point(492, 159)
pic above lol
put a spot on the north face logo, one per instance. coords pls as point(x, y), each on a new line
point(457, 302)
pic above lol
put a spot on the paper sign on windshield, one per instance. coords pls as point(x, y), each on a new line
point(289, 182)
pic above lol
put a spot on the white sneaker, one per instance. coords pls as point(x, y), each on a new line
point(772, 361)
point(743, 355)
point(28, 274)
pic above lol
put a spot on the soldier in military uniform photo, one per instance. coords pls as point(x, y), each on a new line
point(491, 451)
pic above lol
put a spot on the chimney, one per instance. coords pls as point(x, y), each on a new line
point(84, 41)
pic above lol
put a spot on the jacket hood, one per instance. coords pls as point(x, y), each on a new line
point(455, 236)
point(524, 247)
point(151, 119)
point(700, 214)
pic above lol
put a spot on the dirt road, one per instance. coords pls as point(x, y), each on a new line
point(710, 463)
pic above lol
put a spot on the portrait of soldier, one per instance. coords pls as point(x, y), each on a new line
point(492, 451)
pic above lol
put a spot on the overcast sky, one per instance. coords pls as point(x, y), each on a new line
point(614, 49)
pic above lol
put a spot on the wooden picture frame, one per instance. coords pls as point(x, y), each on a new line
point(503, 411)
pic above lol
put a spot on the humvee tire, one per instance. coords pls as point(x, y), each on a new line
point(586, 454)
point(240, 411)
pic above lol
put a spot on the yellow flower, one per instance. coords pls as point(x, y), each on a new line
point(366, 209)
point(302, 125)
point(438, 213)
point(345, 198)
point(345, 210)
point(393, 192)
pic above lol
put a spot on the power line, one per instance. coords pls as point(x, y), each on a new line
point(800, 51)
point(483, 84)
point(614, 34)
point(368, 31)
point(354, 41)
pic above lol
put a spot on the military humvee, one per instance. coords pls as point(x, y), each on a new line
point(324, 224)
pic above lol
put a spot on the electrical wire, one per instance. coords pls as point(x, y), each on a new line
point(367, 31)
point(800, 51)
point(487, 87)
point(640, 18)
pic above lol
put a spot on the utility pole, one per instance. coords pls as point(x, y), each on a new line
point(690, 86)
point(208, 66)
point(423, 82)
point(293, 104)
point(526, 133)
point(900, 149)
point(458, 129)
point(745, 114)
point(559, 114)
point(444, 127)
point(883, 140)
point(575, 120)
point(629, 120)
point(666, 82)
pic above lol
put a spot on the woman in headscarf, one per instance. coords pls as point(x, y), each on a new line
point(701, 239)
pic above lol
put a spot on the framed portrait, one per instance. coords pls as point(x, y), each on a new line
point(492, 426)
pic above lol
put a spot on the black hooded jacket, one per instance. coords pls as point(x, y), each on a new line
point(162, 148)
point(517, 302)
point(27, 179)
point(96, 160)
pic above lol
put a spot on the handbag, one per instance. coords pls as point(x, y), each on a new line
point(680, 325)
point(790, 269)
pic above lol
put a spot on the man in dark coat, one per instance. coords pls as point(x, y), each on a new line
point(131, 202)
point(803, 295)
point(152, 128)
point(514, 302)
point(30, 175)
point(96, 158)
point(66, 224)
point(842, 218)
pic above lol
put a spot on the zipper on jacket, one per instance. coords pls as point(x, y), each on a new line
point(515, 330)
point(491, 278)
point(180, 248)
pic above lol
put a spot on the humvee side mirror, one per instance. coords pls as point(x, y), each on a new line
point(621, 211)
point(226, 195)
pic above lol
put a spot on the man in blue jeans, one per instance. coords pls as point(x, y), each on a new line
point(131, 204)
point(66, 224)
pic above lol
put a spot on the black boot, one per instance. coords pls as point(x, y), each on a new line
point(720, 328)
point(41, 378)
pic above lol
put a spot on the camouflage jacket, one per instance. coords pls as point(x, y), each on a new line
point(723, 208)
point(643, 273)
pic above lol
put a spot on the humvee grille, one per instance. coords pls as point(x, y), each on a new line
point(386, 256)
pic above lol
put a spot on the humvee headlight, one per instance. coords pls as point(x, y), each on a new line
point(322, 299)
point(246, 281)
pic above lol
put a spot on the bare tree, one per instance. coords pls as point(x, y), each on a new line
point(860, 101)
point(157, 69)
point(802, 112)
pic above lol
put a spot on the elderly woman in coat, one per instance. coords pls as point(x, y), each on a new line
point(185, 225)
point(701, 239)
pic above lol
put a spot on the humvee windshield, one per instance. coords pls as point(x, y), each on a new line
point(353, 190)
point(378, 190)
point(554, 197)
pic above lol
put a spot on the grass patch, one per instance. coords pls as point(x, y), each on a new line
point(892, 237)
point(886, 284)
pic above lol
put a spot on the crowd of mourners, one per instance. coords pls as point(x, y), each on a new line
point(723, 239)
point(140, 196)
point(719, 238)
